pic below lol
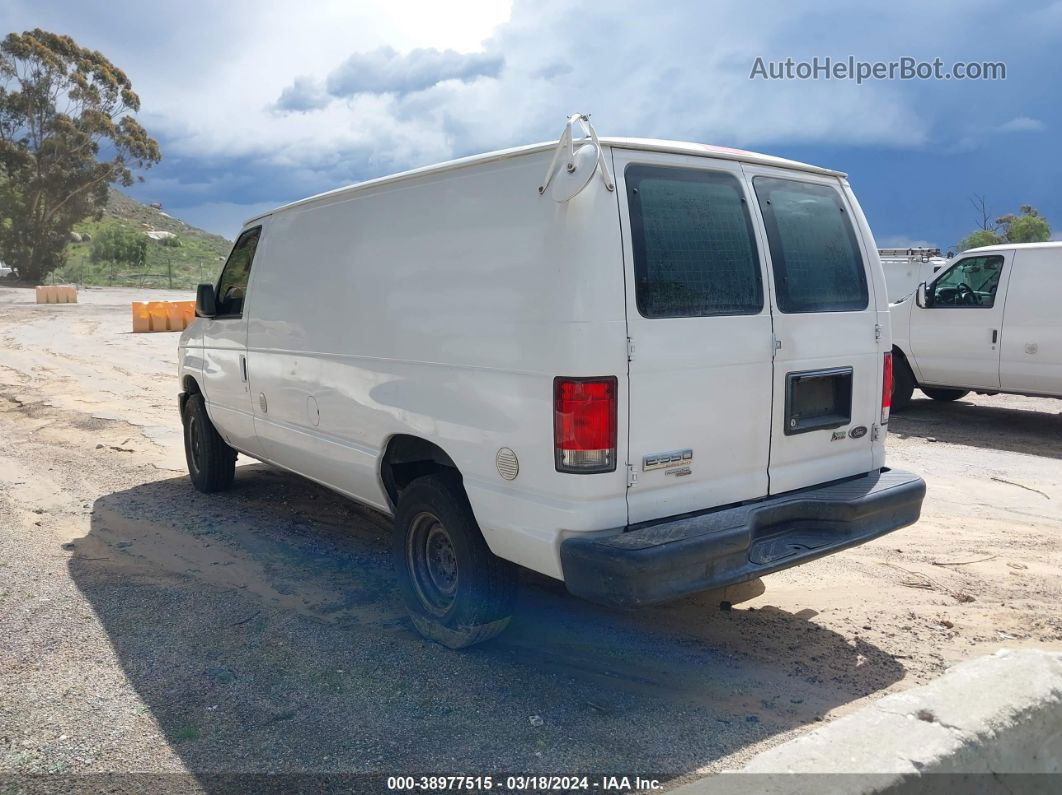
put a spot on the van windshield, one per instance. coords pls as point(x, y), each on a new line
point(694, 249)
point(814, 251)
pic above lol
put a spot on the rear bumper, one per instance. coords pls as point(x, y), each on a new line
point(698, 552)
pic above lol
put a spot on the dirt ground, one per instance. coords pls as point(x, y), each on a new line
point(145, 627)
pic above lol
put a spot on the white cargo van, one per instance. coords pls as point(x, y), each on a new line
point(988, 323)
point(642, 367)
point(905, 269)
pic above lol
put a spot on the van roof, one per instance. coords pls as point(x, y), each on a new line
point(643, 144)
point(1009, 246)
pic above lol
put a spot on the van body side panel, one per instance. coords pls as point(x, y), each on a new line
point(190, 353)
point(291, 297)
point(227, 395)
point(837, 345)
point(1031, 344)
point(443, 307)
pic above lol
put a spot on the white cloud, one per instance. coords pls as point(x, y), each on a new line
point(680, 73)
point(396, 83)
point(386, 71)
point(977, 134)
point(1021, 124)
point(303, 95)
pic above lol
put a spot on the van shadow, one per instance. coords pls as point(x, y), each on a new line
point(262, 629)
point(1016, 430)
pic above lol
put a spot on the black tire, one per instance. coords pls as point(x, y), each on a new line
point(944, 394)
point(458, 593)
point(903, 383)
point(211, 462)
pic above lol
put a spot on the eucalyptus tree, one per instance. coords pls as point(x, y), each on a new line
point(67, 132)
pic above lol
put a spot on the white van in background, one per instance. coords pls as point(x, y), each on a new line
point(642, 367)
point(906, 268)
point(988, 323)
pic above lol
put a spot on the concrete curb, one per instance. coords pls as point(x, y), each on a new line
point(1000, 715)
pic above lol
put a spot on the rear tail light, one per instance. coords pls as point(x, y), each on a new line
point(886, 389)
point(584, 424)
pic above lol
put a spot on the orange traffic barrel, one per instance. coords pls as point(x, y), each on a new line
point(174, 316)
point(141, 316)
point(188, 310)
point(157, 312)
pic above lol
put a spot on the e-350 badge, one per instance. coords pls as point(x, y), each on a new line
point(673, 458)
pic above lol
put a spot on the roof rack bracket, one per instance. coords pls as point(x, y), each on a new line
point(584, 158)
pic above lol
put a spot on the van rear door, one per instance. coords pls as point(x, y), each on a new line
point(828, 335)
point(699, 323)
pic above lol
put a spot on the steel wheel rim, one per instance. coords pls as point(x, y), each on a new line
point(432, 563)
point(195, 442)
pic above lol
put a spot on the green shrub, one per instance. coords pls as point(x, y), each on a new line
point(120, 244)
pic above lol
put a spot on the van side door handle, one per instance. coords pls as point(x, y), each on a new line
point(243, 367)
point(995, 335)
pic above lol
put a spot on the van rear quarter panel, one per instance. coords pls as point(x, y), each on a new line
point(443, 306)
point(1031, 337)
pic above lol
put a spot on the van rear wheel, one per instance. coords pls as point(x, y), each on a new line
point(458, 593)
point(945, 394)
point(903, 383)
point(211, 462)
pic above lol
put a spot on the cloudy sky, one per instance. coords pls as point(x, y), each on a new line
point(259, 103)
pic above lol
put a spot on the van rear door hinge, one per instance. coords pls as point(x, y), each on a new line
point(632, 476)
point(877, 331)
point(630, 349)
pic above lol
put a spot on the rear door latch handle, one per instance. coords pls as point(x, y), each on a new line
point(995, 335)
point(243, 367)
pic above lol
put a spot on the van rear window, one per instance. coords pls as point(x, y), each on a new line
point(814, 252)
point(694, 249)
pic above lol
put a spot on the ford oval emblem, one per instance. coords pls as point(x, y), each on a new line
point(858, 432)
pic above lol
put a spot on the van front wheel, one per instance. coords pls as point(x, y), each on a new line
point(458, 593)
point(945, 394)
point(211, 462)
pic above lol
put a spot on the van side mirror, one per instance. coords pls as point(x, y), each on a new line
point(921, 296)
point(206, 304)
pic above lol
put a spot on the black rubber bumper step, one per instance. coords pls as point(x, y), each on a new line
point(672, 557)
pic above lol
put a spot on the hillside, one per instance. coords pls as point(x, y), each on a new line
point(181, 257)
